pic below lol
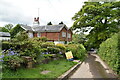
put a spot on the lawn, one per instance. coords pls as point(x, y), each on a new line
point(57, 68)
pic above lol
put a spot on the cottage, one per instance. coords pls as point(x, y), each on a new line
point(4, 36)
point(54, 33)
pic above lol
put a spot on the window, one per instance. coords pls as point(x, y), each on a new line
point(69, 35)
point(63, 34)
point(38, 34)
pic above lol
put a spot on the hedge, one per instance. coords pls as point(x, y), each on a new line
point(109, 51)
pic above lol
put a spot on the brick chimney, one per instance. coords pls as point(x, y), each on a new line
point(36, 21)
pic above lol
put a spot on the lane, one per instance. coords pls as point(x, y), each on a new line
point(91, 68)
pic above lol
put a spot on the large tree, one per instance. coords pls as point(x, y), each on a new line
point(16, 30)
point(9, 27)
point(102, 18)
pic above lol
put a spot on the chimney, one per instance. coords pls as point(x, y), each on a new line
point(36, 21)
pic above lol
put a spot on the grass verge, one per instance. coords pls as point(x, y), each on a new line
point(57, 68)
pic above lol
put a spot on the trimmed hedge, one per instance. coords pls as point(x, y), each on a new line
point(109, 51)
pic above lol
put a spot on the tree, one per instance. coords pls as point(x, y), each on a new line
point(102, 17)
point(79, 38)
point(61, 22)
point(16, 30)
point(9, 27)
point(3, 29)
point(22, 35)
point(50, 23)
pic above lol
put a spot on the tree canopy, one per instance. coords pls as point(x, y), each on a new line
point(50, 23)
point(102, 17)
point(9, 27)
point(16, 30)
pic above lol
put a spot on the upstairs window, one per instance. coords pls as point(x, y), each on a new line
point(69, 35)
point(38, 34)
point(63, 34)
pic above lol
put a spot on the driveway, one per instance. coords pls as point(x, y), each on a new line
point(93, 67)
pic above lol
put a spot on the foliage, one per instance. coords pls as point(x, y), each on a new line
point(53, 50)
point(109, 51)
point(21, 36)
point(9, 27)
point(15, 30)
point(5, 45)
point(11, 59)
point(61, 22)
point(102, 18)
point(50, 23)
point(79, 38)
point(78, 50)
point(3, 29)
point(61, 47)
point(47, 44)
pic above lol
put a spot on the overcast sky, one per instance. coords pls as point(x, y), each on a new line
point(23, 11)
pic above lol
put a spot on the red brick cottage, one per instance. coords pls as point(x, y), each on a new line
point(55, 33)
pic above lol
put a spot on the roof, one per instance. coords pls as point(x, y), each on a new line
point(25, 27)
point(4, 34)
point(47, 28)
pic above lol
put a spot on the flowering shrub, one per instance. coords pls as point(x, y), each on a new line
point(11, 59)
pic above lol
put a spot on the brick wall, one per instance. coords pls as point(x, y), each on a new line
point(56, 36)
point(51, 35)
point(34, 34)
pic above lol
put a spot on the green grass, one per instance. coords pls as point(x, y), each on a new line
point(57, 68)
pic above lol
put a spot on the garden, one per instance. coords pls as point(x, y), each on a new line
point(22, 57)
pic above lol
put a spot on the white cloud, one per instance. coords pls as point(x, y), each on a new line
point(23, 11)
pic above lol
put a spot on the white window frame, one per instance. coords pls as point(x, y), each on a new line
point(63, 34)
point(69, 35)
point(38, 34)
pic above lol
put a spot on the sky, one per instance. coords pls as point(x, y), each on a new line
point(23, 11)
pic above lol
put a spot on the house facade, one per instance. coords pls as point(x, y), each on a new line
point(54, 33)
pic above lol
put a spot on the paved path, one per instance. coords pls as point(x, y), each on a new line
point(93, 67)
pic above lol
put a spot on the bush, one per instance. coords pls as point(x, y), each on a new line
point(21, 36)
point(61, 47)
point(109, 52)
point(6, 45)
point(40, 39)
point(53, 50)
point(47, 44)
point(78, 50)
point(11, 59)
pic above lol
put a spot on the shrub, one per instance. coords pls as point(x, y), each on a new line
point(40, 39)
point(61, 47)
point(109, 52)
point(47, 44)
point(11, 59)
point(21, 36)
point(78, 50)
point(5, 45)
point(53, 50)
